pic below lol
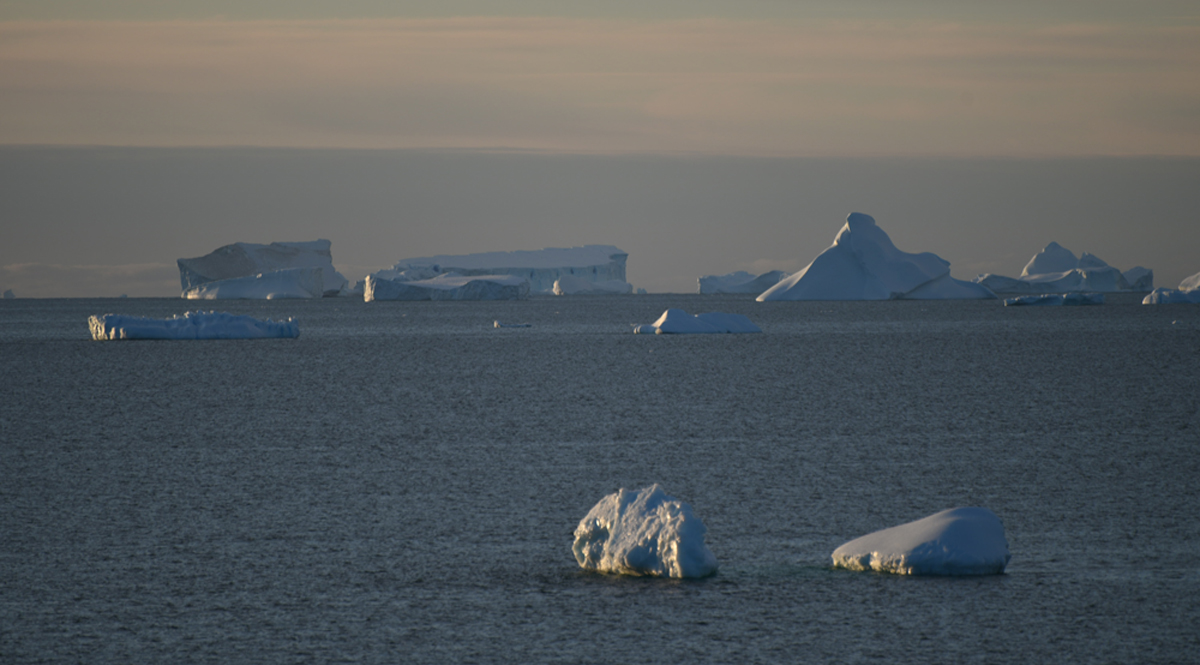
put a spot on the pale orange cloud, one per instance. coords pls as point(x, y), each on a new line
point(710, 86)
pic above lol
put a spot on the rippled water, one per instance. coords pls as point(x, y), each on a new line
point(400, 484)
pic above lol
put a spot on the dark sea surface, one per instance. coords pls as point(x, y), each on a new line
point(400, 484)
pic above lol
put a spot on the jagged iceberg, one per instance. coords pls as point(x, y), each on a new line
point(1056, 269)
point(1187, 293)
point(273, 285)
point(959, 541)
point(678, 322)
point(1056, 299)
point(191, 325)
point(447, 286)
point(569, 285)
point(643, 532)
point(740, 282)
point(863, 264)
point(542, 267)
point(248, 260)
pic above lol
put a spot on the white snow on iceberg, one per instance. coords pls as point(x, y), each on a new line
point(1056, 299)
point(447, 286)
point(643, 532)
point(959, 541)
point(1187, 293)
point(1055, 269)
point(740, 282)
point(678, 322)
point(192, 325)
point(542, 267)
point(273, 285)
point(863, 264)
point(569, 285)
point(246, 259)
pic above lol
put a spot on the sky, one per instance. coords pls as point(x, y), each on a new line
point(451, 127)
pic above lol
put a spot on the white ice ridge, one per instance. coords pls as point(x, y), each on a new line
point(1187, 293)
point(959, 541)
point(273, 285)
point(643, 532)
point(447, 286)
point(1054, 299)
point(569, 285)
point(676, 321)
point(863, 264)
point(1055, 269)
point(192, 325)
point(247, 259)
point(740, 282)
point(542, 267)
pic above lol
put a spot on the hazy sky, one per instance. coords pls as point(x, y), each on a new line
point(546, 107)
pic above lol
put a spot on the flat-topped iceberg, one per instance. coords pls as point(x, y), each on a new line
point(643, 532)
point(447, 286)
point(191, 325)
point(1056, 269)
point(1187, 293)
point(959, 541)
point(678, 322)
point(569, 285)
point(1056, 299)
point(273, 285)
point(863, 264)
point(247, 260)
point(542, 267)
point(740, 282)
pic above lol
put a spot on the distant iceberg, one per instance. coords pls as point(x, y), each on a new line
point(192, 325)
point(740, 282)
point(248, 260)
point(863, 264)
point(1187, 293)
point(541, 268)
point(959, 541)
point(273, 285)
point(1056, 269)
point(1056, 299)
point(9, 295)
point(677, 322)
point(569, 285)
point(643, 532)
point(447, 286)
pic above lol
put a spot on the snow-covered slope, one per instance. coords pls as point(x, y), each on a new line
point(740, 282)
point(643, 532)
point(192, 325)
point(863, 264)
point(1055, 269)
point(245, 259)
point(959, 541)
point(542, 267)
point(447, 286)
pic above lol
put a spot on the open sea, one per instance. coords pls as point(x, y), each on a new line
point(401, 483)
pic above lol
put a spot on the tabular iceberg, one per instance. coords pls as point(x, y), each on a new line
point(593, 263)
point(1187, 293)
point(569, 285)
point(273, 285)
point(959, 541)
point(447, 286)
point(245, 259)
point(1055, 269)
point(863, 264)
point(192, 325)
point(740, 282)
point(1056, 299)
point(678, 322)
point(643, 532)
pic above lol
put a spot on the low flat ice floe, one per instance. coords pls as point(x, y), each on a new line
point(959, 541)
point(447, 286)
point(191, 325)
point(1056, 299)
point(678, 322)
point(643, 532)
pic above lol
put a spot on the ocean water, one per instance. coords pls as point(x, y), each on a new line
point(400, 484)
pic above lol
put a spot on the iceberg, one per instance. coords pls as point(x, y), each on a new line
point(191, 325)
point(447, 286)
point(740, 282)
point(643, 532)
point(863, 264)
point(959, 541)
point(9, 295)
point(569, 285)
point(274, 285)
point(245, 259)
point(1054, 299)
point(542, 267)
point(1187, 293)
point(678, 322)
point(1056, 269)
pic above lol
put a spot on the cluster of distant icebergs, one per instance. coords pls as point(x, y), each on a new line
point(647, 532)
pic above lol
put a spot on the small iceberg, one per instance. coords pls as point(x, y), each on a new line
point(1187, 293)
point(959, 541)
point(1056, 299)
point(497, 324)
point(679, 322)
point(192, 325)
point(569, 285)
point(643, 532)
